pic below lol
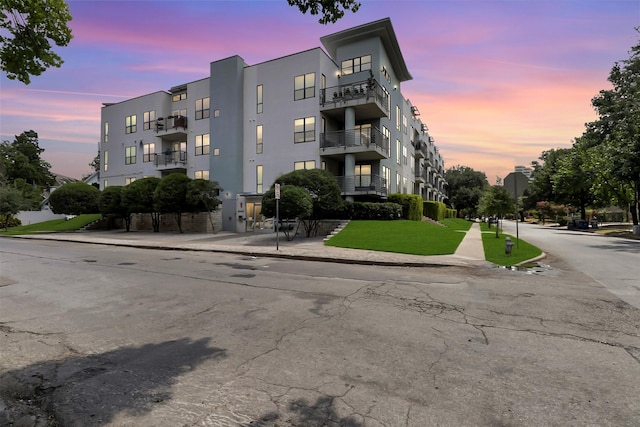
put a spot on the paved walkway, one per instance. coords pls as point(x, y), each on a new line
point(469, 253)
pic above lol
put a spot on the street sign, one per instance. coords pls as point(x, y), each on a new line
point(277, 191)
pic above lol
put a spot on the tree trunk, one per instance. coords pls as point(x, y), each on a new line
point(635, 208)
point(155, 221)
point(179, 221)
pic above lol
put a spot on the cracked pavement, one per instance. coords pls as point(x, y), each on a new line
point(128, 337)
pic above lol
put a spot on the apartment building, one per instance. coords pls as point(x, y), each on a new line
point(339, 108)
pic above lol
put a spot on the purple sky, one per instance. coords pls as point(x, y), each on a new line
point(497, 82)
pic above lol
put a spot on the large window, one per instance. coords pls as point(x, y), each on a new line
point(259, 179)
point(259, 100)
point(398, 114)
point(148, 120)
point(398, 152)
point(131, 124)
point(129, 180)
point(202, 108)
point(386, 174)
point(130, 155)
point(404, 155)
point(304, 130)
point(203, 174)
point(363, 175)
point(259, 139)
point(179, 96)
point(355, 65)
point(106, 161)
point(202, 144)
point(305, 86)
point(106, 131)
point(307, 164)
point(148, 152)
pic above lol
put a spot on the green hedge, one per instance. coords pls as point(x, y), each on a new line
point(412, 205)
point(436, 210)
point(375, 210)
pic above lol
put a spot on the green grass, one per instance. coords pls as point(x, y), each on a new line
point(53, 225)
point(494, 248)
point(407, 237)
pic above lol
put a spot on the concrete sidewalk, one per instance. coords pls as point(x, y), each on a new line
point(469, 253)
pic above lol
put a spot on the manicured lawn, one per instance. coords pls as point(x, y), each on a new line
point(53, 225)
point(408, 237)
point(494, 248)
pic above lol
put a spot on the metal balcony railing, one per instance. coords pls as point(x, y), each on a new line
point(369, 138)
point(368, 90)
point(365, 184)
point(171, 158)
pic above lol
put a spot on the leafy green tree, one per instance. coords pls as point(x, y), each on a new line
point(138, 197)
point(465, 186)
point(29, 27)
point(75, 198)
point(324, 190)
point(202, 196)
point(171, 196)
point(10, 201)
point(295, 202)
point(330, 11)
point(573, 180)
point(21, 159)
point(618, 127)
point(497, 201)
point(112, 206)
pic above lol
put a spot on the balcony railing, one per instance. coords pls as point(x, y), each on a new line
point(171, 159)
point(362, 184)
point(365, 92)
point(171, 128)
point(355, 141)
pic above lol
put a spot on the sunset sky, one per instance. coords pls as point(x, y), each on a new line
point(497, 82)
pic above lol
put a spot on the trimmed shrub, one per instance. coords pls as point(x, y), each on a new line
point(376, 211)
point(434, 210)
point(412, 205)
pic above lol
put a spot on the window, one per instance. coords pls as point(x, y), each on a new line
point(386, 174)
point(388, 98)
point(179, 96)
point(363, 175)
point(363, 134)
point(128, 181)
point(130, 155)
point(356, 65)
point(305, 86)
point(105, 184)
point(259, 139)
point(404, 124)
point(106, 161)
point(130, 124)
point(259, 101)
point(398, 118)
point(179, 113)
point(259, 179)
point(404, 184)
point(202, 108)
point(304, 130)
point(106, 131)
point(202, 144)
point(386, 74)
point(398, 152)
point(398, 186)
point(148, 152)
point(216, 151)
point(404, 155)
point(148, 120)
point(307, 164)
point(203, 174)
point(216, 113)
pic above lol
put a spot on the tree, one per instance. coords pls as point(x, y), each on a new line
point(138, 197)
point(21, 159)
point(295, 202)
point(618, 127)
point(170, 196)
point(330, 10)
point(111, 205)
point(75, 198)
point(496, 200)
point(32, 25)
point(465, 186)
point(324, 190)
point(573, 180)
point(202, 196)
point(10, 201)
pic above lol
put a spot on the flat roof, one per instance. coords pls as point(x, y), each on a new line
point(382, 29)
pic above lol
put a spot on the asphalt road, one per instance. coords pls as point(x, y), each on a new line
point(613, 262)
point(93, 335)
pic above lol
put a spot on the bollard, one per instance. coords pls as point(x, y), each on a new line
point(508, 245)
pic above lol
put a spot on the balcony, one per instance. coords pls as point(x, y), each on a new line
point(367, 144)
point(171, 161)
point(366, 96)
point(172, 128)
point(420, 148)
point(421, 175)
point(361, 185)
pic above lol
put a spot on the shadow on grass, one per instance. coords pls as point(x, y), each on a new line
point(94, 389)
